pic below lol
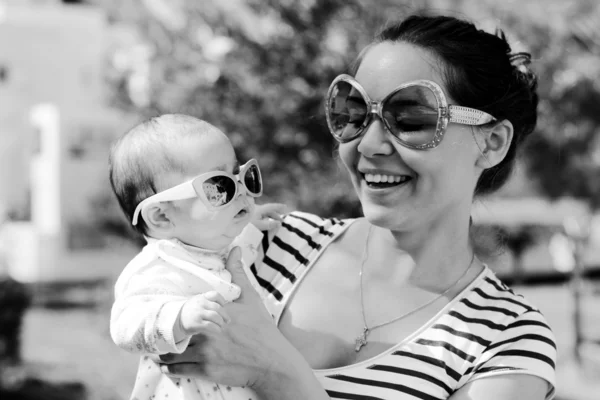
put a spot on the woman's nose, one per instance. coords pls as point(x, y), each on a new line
point(375, 140)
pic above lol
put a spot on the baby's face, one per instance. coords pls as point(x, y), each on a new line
point(192, 222)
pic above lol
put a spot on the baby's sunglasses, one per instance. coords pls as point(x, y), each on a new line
point(416, 113)
point(216, 189)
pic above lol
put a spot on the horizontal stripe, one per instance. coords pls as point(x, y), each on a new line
point(286, 247)
point(350, 396)
point(465, 335)
point(528, 354)
point(528, 322)
point(279, 268)
point(430, 360)
point(387, 385)
point(480, 321)
point(498, 285)
point(447, 346)
point(266, 284)
point(490, 297)
point(322, 230)
point(410, 372)
point(497, 369)
point(488, 308)
point(479, 370)
point(528, 336)
point(265, 242)
point(302, 235)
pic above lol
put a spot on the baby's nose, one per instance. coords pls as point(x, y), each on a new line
point(241, 189)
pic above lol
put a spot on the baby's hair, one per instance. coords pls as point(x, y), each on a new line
point(144, 152)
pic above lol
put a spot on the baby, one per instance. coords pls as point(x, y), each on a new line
point(179, 182)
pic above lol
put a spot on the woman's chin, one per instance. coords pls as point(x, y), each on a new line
point(382, 216)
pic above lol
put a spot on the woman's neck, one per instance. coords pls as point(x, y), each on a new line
point(440, 252)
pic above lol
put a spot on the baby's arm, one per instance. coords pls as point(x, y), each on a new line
point(147, 314)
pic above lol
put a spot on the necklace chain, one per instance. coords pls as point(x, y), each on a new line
point(361, 340)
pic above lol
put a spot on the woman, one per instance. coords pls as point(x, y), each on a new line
point(396, 305)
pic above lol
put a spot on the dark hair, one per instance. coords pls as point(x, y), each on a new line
point(479, 71)
point(143, 152)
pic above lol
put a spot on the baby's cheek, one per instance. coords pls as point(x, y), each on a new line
point(199, 212)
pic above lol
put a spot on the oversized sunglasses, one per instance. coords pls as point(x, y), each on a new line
point(416, 113)
point(216, 189)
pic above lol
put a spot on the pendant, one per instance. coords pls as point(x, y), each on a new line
point(361, 339)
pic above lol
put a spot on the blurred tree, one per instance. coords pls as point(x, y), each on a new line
point(258, 69)
point(563, 156)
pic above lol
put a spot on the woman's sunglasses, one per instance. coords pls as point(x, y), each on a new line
point(216, 189)
point(415, 113)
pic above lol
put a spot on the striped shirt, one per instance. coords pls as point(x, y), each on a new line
point(487, 330)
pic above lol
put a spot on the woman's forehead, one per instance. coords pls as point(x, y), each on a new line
point(388, 65)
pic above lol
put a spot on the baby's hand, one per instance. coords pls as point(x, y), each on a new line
point(201, 312)
point(268, 216)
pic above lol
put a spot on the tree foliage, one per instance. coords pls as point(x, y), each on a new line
point(258, 69)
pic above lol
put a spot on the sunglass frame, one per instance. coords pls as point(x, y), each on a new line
point(446, 113)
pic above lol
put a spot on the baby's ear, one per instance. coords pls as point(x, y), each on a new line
point(156, 216)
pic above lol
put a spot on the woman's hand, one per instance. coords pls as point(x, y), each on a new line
point(248, 351)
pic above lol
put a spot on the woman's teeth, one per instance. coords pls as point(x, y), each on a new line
point(389, 179)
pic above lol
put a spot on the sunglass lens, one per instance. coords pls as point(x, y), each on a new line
point(219, 190)
point(252, 180)
point(412, 114)
point(347, 111)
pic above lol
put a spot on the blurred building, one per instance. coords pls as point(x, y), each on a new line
point(54, 128)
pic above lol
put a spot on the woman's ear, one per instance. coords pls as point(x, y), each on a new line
point(156, 216)
point(494, 143)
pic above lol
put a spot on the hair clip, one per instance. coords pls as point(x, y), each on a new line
point(518, 59)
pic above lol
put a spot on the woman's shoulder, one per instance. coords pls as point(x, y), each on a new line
point(495, 293)
point(513, 333)
point(492, 300)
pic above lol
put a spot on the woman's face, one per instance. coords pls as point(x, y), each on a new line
point(420, 186)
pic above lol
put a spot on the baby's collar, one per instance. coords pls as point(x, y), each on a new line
point(194, 251)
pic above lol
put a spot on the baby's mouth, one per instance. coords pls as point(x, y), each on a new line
point(243, 212)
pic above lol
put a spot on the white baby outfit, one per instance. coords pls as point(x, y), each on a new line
point(149, 295)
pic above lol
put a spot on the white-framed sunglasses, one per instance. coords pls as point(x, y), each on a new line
point(216, 189)
point(416, 113)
